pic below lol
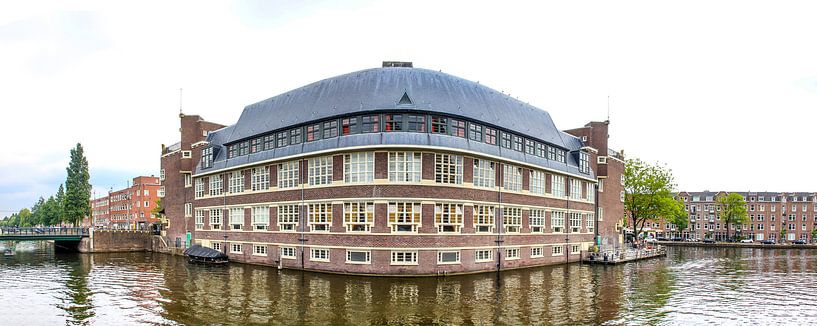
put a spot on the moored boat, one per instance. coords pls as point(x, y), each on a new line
point(204, 255)
point(8, 252)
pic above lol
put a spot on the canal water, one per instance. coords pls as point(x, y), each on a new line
point(700, 286)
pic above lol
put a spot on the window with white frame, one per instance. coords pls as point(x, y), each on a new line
point(557, 185)
point(288, 174)
point(512, 253)
point(188, 209)
point(358, 216)
point(358, 167)
point(537, 182)
point(584, 162)
point(216, 246)
point(448, 218)
point(448, 257)
point(288, 252)
point(591, 192)
point(288, 217)
point(590, 223)
point(236, 218)
point(215, 185)
point(512, 218)
point(236, 182)
point(259, 250)
point(320, 216)
point(557, 251)
point(215, 219)
point(537, 220)
point(405, 166)
point(199, 188)
point(621, 196)
point(601, 184)
point(321, 255)
point(575, 189)
point(574, 249)
point(161, 192)
point(404, 217)
point(199, 219)
point(448, 168)
point(404, 257)
point(235, 248)
point(557, 221)
point(484, 219)
point(188, 180)
point(162, 174)
point(320, 171)
point(260, 218)
point(512, 177)
point(537, 252)
point(358, 257)
point(483, 255)
point(260, 178)
point(484, 173)
point(575, 222)
point(601, 214)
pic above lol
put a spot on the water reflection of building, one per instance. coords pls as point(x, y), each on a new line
point(397, 171)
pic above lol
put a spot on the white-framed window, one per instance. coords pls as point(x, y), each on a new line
point(512, 177)
point(188, 180)
point(320, 216)
point(601, 214)
point(557, 185)
point(288, 252)
point(236, 182)
point(199, 188)
point(162, 174)
point(591, 223)
point(260, 218)
point(512, 253)
point(259, 250)
point(537, 252)
point(199, 219)
point(484, 219)
point(188, 209)
point(622, 180)
point(260, 178)
point(537, 220)
point(575, 249)
point(575, 222)
point(320, 171)
point(405, 217)
point(236, 218)
point(557, 221)
point(215, 185)
point(358, 257)
point(575, 189)
point(601, 159)
point(448, 218)
point(537, 182)
point(484, 173)
point(288, 174)
point(404, 257)
point(448, 257)
point(601, 184)
point(235, 248)
point(216, 246)
point(512, 218)
point(584, 162)
point(319, 255)
point(161, 192)
point(358, 167)
point(591, 192)
point(187, 154)
point(557, 251)
point(405, 166)
point(215, 219)
point(448, 168)
point(358, 216)
point(483, 255)
point(288, 217)
point(621, 197)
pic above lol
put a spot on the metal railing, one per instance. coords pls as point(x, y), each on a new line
point(44, 231)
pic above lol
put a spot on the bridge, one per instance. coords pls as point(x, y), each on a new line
point(48, 233)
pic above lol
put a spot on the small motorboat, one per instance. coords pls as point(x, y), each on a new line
point(8, 252)
point(204, 255)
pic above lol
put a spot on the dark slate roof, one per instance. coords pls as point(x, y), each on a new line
point(380, 89)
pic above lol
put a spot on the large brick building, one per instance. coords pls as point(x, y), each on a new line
point(769, 213)
point(128, 208)
point(391, 171)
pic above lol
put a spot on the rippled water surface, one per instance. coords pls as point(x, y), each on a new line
point(702, 286)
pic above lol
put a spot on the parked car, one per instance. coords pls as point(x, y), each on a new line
point(746, 241)
point(768, 241)
point(799, 241)
point(677, 239)
point(709, 241)
point(650, 240)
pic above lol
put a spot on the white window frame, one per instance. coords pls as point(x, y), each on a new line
point(216, 185)
point(358, 167)
point(557, 221)
point(215, 219)
point(260, 218)
point(537, 182)
point(512, 219)
point(411, 216)
point(536, 220)
point(557, 251)
point(288, 217)
point(537, 252)
point(484, 173)
point(447, 168)
point(442, 253)
point(403, 258)
point(319, 216)
point(557, 185)
point(199, 219)
point(358, 216)
point(259, 250)
point(236, 182)
point(448, 217)
point(320, 255)
point(199, 191)
point(368, 260)
point(575, 189)
point(319, 171)
point(259, 178)
point(236, 218)
point(188, 209)
point(188, 179)
point(288, 175)
point(512, 253)
point(483, 255)
point(405, 166)
point(511, 177)
point(288, 253)
point(484, 218)
point(236, 248)
point(187, 154)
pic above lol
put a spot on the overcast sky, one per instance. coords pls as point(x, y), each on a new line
point(723, 92)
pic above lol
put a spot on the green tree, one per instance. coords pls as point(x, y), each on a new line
point(157, 208)
point(813, 234)
point(77, 188)
point(680, 217)
point(732, 209)
point(648, 194)
point(37, 212)
point(59, 209)
point(50, 211)
point(783, 233)
point(24, 218)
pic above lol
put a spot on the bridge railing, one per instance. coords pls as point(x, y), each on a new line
point(44, 231)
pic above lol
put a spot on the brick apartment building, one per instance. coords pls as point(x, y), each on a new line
point(128, 208)
point(769, 213)
point(392, 171)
